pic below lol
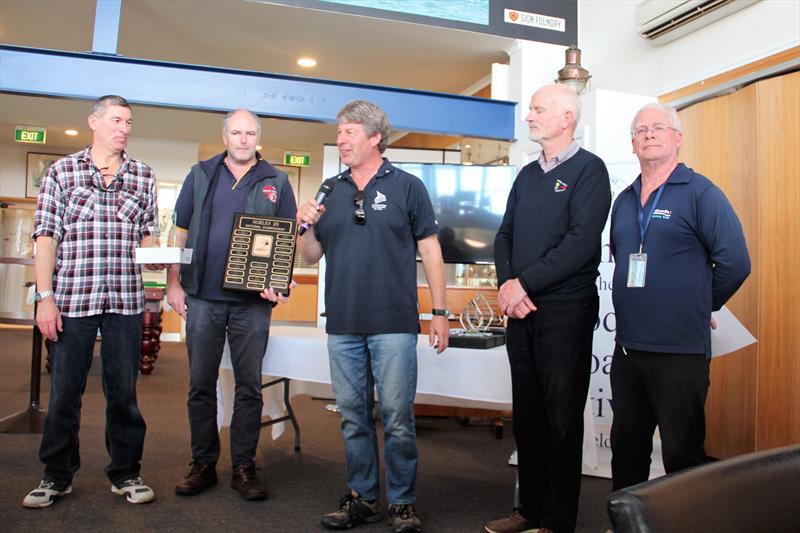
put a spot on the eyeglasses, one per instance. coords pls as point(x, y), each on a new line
point(657, 129)
point(359, 216)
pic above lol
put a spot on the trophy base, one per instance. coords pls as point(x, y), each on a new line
point(479, 341)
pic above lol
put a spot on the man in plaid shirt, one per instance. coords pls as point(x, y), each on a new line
point(94, 208)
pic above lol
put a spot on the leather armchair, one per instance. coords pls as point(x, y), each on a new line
point(753, 493)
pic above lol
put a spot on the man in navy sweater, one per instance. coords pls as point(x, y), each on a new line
point(547, 251)
point(680, 253)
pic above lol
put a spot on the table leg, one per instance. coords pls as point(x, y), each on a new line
point(31, 420)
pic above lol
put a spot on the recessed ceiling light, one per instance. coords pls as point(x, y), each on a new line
point(307, 62)
point(71, 133)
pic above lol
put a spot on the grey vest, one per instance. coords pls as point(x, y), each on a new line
point(255, 204)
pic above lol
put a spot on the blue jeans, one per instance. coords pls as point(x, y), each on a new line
point(360, 363)
point(246, 326)
point(70, 359)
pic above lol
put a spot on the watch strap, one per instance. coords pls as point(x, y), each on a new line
point(440, 312)
point(42, 295)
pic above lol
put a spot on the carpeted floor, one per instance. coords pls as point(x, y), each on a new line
point(463, 478)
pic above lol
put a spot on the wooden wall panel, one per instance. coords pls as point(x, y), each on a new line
point(748, 144)
point(302, 305)
point(779, 248)
point(710, 147)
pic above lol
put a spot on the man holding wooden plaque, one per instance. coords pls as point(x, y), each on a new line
point(225, 210)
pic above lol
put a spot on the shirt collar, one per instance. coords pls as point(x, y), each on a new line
point(385, 169)
point(86, 155)
point(562, 156)
point(681, 174)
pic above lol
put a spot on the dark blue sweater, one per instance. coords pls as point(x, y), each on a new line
point(696, 259)
point(550, 234)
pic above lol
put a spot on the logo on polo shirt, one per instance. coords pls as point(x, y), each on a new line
point(663, 214)
point(270, 193)
point(380, 202)
point(560, 186)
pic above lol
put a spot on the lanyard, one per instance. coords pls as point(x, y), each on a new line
point(643, 225)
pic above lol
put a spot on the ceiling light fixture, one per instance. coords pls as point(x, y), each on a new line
point(71, 133)
point(307, 62)
point(573, 74)
point(259, 147)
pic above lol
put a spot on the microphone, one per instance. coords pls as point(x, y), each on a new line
point(324, 190)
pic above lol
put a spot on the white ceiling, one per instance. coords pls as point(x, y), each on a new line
point(244, 35)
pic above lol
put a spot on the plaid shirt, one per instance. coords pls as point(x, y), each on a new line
point(96, 229)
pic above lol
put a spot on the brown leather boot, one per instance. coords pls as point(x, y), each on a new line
point(246, 482)
point(199, 478)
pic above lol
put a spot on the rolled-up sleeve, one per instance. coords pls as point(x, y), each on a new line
point(150, 218)
point(48, 220)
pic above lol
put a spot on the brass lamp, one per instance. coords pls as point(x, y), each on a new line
point(573, 74)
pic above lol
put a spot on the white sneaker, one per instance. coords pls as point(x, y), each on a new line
point(45, 494)
point(134, 490)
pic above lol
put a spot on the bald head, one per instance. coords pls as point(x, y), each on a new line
point(564, 98)
point(554, 113)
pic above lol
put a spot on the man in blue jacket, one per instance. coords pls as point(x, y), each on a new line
point(235, 181)
point(680, 253)
point(547, 251)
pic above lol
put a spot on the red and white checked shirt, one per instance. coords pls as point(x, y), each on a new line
point(97, 229)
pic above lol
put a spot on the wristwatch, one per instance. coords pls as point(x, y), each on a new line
point(440, 312)
point(39, 296)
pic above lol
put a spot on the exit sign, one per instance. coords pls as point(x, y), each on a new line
point(30, 134)
point(297, 159)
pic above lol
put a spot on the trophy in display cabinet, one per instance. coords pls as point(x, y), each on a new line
point(260, 254)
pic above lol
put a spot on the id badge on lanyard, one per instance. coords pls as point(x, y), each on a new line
point(637, 262)
point(637, 269)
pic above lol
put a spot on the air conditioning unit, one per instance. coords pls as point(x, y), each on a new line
point(662, 21)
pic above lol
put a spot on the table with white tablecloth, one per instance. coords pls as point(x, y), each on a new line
point(459, 377)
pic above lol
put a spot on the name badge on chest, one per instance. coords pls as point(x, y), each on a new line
point(637, 268)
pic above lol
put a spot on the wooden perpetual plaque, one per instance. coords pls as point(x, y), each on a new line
point(260, 254)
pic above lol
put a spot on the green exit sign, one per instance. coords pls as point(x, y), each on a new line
point(296, 159)
point(30, 134)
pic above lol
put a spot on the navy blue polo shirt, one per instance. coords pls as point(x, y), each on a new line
point(371, 273)
point(696, 259)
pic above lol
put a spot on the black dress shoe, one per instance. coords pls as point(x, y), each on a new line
point(246, 483)
point(200, 477)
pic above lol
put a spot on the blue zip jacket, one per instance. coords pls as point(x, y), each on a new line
point(696, 260)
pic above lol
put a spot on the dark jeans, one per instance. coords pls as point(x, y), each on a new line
point(550, 353)
point(246, 326)
point(70, 359)
point(657, 389)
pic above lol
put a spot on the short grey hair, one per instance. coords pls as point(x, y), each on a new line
point(671, 111)
point(100, 105)
point(370, 116)
point(229, 114)
point(568, 100)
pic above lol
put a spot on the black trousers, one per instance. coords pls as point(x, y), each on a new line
point(246, 327)
point(550, 354)
point(652, 389)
